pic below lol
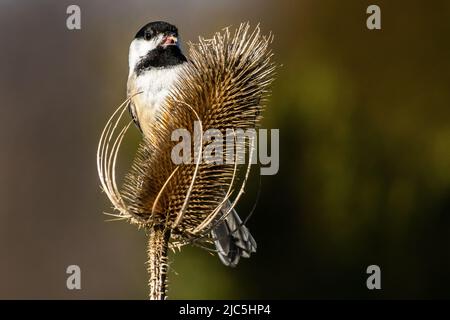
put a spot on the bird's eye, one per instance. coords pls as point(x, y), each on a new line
point(148, 35)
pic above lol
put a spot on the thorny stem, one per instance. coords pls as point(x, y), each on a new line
point(158, 244)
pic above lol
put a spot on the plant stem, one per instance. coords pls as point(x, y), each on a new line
point(158, 244)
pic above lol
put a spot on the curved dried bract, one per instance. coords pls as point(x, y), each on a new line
point(107, 155)
point(225, 86)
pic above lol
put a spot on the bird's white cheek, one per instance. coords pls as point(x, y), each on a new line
point(139, 48)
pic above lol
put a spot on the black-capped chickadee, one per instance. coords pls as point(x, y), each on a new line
point(155, 61)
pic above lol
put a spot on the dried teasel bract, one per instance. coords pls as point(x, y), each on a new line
point(225, 86)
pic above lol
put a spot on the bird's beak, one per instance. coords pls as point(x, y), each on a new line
point(169, 41)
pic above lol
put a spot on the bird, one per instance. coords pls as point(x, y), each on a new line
point(155, 62)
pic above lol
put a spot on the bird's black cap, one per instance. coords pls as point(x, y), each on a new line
point(163, 55)
point(155, 28)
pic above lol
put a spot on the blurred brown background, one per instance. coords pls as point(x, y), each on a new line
point(364, 174)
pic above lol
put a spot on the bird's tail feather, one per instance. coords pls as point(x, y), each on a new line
point(232, 239)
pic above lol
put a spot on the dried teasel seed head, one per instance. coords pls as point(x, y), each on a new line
point(225, 86)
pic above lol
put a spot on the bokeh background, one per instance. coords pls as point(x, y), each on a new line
point(364, 119)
